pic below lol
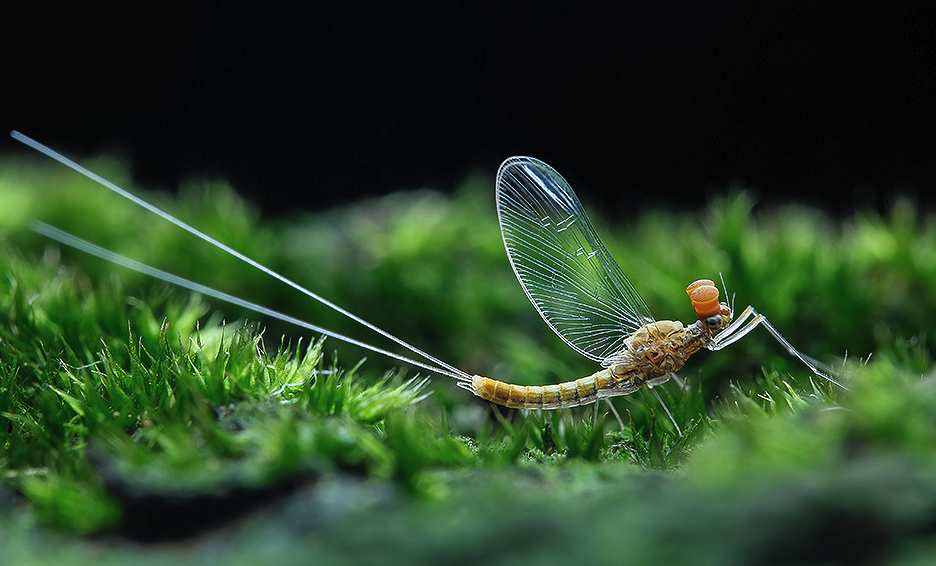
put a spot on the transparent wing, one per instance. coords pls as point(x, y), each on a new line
point(567, 273)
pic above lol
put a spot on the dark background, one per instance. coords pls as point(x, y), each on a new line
point(637, 106)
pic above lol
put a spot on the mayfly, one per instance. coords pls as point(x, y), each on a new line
point(567, 273)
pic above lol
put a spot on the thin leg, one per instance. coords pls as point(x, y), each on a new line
point(741, 326)
point(613, 412)
point(726, 333)
point(665, 409)
point(678, 381)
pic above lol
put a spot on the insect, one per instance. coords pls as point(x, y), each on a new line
point(567, 273)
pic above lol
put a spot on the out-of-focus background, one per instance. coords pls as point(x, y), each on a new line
point(639, 105)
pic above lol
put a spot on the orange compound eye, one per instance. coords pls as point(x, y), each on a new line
point(696, 284)
point(704, 297)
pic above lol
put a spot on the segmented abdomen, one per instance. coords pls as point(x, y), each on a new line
point(569, 394)
point(653, 353)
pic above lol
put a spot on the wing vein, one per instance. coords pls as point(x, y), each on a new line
point(563, 267)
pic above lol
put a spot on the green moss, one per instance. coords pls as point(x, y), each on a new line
point(121, 398)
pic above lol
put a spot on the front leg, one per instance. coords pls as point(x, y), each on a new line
point(748, 320)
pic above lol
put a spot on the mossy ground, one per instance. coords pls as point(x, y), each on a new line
point(132, 412)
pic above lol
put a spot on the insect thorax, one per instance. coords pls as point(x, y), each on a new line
point(657, 349)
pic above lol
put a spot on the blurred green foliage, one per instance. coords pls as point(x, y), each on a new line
point(120, 395)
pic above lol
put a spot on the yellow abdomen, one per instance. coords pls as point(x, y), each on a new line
point(652, 352)
point(582, 391)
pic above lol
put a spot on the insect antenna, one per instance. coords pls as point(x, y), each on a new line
point(725, 289)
